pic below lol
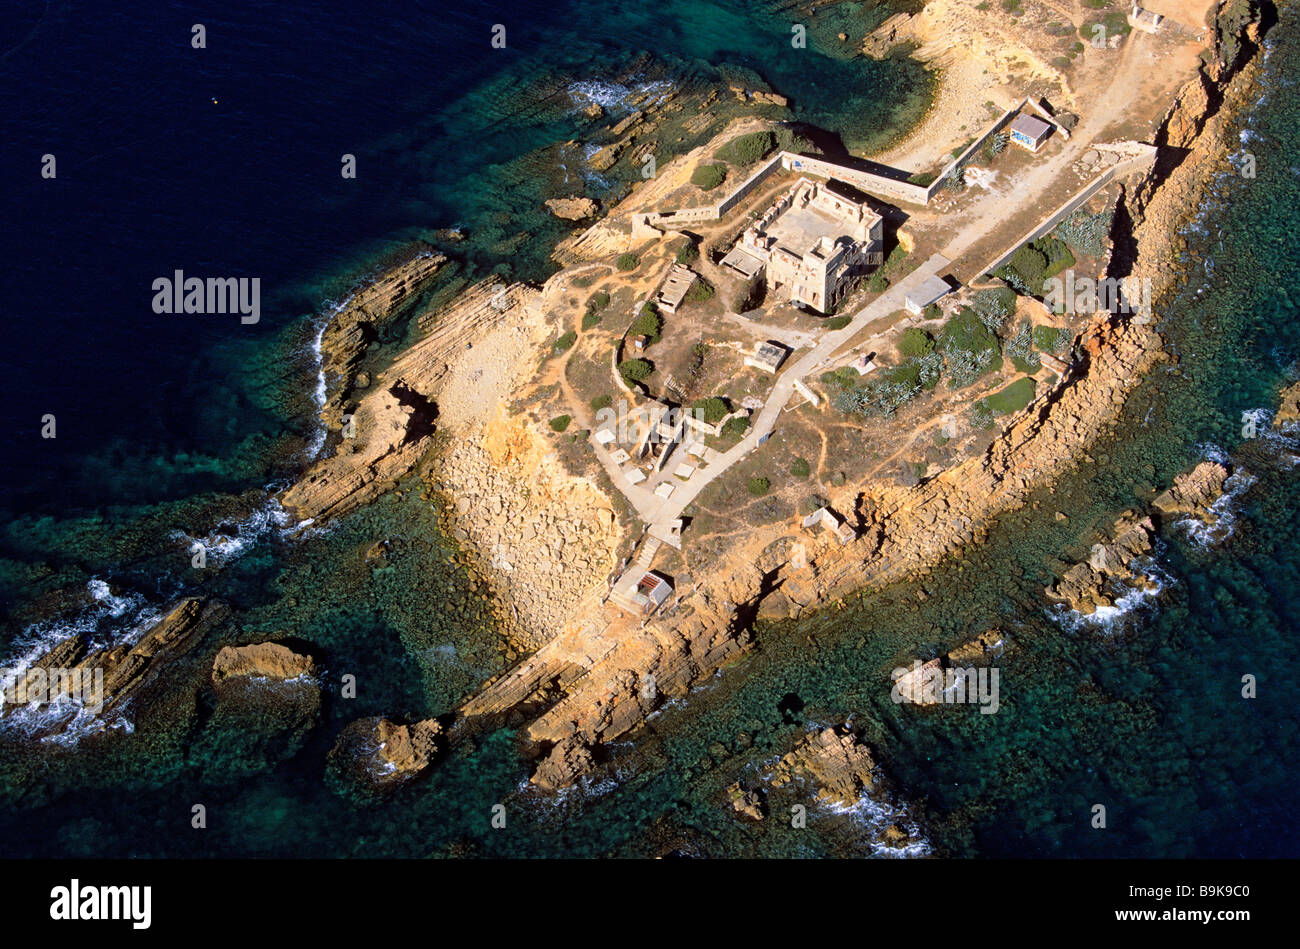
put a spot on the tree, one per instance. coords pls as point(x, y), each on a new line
point(627, 261)
point(635, 370)
point(560, 423)
point(648, 323)
point(759, 486)
point(915, 342)
point(746, 149)
point(711, 410)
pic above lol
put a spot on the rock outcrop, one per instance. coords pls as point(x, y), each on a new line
point(381, 754)
point(356, 325)
point(108, 679)
point(261, 660)
point(573, 209)
point(837, 764)
point(1088, 585)
point(1288, 409)
point(565, 762)
point(748, 802)
point(1193, 493)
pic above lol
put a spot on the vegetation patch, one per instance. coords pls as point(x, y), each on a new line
point(648, 323)
point(701, 291)
point(635, 370)
point(1011, 399)
point(1051, 339)
point(711, 410)
point(746, 149)
point(627, 262)
point(758, 486)
point(915, 342)
point(708, 177)
point(560, 423)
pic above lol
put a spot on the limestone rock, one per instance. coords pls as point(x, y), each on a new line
point(565, 762)
point(265, 660)
point(750, 803)
point(1193, 492)
point(382, 754)
point(833, 759)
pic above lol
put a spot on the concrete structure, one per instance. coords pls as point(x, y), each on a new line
point(768, 356)
point(1144, 20)
point(642, 597)
point(1030, 132)
point(928, 292)
point(832, 522)
point(812, 243)
point(676, 285)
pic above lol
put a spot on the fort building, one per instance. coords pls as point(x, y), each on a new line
point(812, 243)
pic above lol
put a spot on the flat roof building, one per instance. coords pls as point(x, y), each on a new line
point(768, 356)
point(930, 290)
point(1030, 132)
point(676, 285)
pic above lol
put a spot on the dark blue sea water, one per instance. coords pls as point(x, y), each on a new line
point(170, 425)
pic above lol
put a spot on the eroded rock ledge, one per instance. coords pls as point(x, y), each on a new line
point(130, 672)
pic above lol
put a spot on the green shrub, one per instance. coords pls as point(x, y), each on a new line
point(1026, 271)
point(711, 410)
point(1114, 23)
point(922, 178)
point(564, 342)
point(969, 348)
point(688, 253)
point(1086, 233)
point(590, 319)
point(601, 402)
point(708, 177)
point(915, 342)
point(735, 427)
point(800, 468)
point(812, 503)
point(648, 323)
point(1051, 339)
point(627, 262)
point(635, 370)
point(838, 322)
point(701, 290)
point(599, 300)
point(759, 486)
point(878, 282)
point(560, 423)
point(1020, 351)
point(746, 149)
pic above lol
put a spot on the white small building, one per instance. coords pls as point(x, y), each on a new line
point(930, 291)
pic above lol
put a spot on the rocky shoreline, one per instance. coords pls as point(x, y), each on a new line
point(549, 540)
point(904, 532)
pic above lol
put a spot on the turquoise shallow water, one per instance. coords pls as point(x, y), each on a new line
point(1143, 715)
